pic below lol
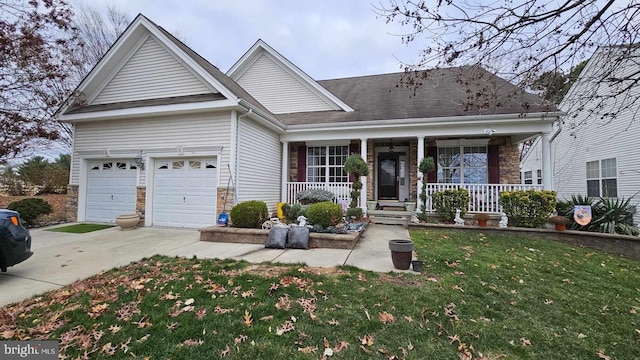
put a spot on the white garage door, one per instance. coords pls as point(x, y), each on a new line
point(184, 192)
point(111, 190)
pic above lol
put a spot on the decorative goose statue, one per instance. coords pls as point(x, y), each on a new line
point(458, 219)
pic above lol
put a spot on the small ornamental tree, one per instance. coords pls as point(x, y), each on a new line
point(426, 166)
point(356, 166)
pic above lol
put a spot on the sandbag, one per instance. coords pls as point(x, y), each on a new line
point(298, 237)
point(277, 238)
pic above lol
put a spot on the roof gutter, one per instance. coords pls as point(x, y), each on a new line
point(449, 120)
point(273, 122)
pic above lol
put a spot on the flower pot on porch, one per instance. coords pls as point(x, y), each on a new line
point(401, 253)
point(482, 222)
point(372, 204)
point(409, 205)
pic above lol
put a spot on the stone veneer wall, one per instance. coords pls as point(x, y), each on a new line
point(71, 208)
point(220, 205)
point(413, 170)
point(141, 197)
point(370, 161)
point(509, 164)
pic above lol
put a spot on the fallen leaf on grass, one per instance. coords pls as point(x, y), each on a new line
point(525, 342)
point(200, 314)
point(327, 352)
point(226, 352)
point(367, 340)
point(340, 346)
point(247, 319)
point(266, 318)
point(334, 322)
point(286, 327)
point(191, 342)
point(386, 318)
point(581, 336)
point(308, 350)
point(602, 356)
point(548, 302)
point(189, 301)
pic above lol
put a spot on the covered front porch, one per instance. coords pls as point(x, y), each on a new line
point(485, 166)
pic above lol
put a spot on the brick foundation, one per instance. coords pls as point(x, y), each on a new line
point(71, 208)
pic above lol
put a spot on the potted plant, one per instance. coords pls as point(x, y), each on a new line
point(372, 204)
point(560, 222)
point(409, 205)
point(481, 218)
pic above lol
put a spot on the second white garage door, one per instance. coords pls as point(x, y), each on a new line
point(184, 192)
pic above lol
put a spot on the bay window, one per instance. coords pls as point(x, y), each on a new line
point(465, 163)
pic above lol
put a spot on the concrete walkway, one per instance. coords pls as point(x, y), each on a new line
point(62, 258)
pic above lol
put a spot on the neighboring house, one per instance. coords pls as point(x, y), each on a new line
point(160, 131)
point(592, 153)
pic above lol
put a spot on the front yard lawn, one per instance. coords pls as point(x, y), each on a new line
point(480, 298)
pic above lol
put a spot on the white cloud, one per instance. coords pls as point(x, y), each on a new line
point(327, 39)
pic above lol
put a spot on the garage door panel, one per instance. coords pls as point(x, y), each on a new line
point(184, 196)
point(110, 191)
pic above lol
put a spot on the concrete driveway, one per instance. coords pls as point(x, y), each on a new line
point(60, 258)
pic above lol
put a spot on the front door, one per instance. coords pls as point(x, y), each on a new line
point(388, 176)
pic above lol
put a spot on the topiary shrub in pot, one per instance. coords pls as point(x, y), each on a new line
point(324, 214)
point(357, 167)
point(249, 214)
point(30, 209)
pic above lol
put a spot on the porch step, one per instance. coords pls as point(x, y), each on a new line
point(390, 217)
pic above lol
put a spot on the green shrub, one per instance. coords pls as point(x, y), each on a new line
point(325, 214)
point(295, 211)
point(447, 201)
point(612, 216)
point(30, 209)
point(312, 196)
point(528, 208)
point(355, 213)
point(249, 214)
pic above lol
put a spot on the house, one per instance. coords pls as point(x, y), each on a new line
point(160, 131)
point(594, 146)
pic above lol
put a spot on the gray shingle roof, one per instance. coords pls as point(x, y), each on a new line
point(444, 93)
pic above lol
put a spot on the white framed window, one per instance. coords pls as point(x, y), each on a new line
point(528, 177)
point(326, 163)
point(602, 178)
point(539, 176)
point(463, 164)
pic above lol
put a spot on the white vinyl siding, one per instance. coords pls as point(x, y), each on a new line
point(151, 73)
point(259, 164)
point(587, 137)
point(278, 90)
point(146, 134)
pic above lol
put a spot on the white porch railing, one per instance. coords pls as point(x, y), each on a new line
point(341, 190)
point(482, 197)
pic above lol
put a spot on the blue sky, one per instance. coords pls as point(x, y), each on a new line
point(326, 39)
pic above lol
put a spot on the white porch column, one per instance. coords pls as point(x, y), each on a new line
point(363, 192)
point(285, 171)
point(547, 175)
point(420, 179)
